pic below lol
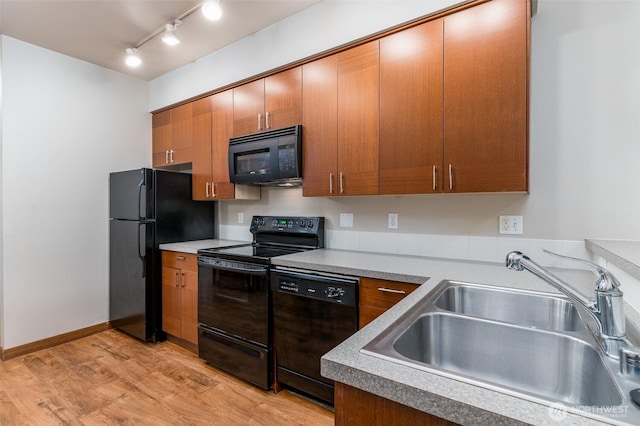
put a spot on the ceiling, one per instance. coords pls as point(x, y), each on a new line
point(99, 31)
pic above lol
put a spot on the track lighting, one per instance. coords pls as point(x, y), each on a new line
point(169, 35)
point(211, 10)
point(132, 59)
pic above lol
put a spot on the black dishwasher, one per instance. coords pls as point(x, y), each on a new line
point(313, 312)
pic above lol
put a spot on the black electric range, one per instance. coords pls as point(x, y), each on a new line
point(235, 331)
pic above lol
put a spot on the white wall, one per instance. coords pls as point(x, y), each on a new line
point(585, 125)
point(65, 125)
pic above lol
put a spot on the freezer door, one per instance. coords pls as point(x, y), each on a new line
point(133, 300)
point(131, 194)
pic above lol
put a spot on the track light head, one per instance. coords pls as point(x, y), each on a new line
point(211, 10)
point(169, 36)
point(132, 59)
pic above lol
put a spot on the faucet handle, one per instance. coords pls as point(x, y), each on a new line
point(606, 281)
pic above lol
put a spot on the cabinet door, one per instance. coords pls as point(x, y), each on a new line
point(411, 110)
point(201, 133)
point(181, 134)
point(222, 130)
point(486, 54)
point(320, 127)
point(189, 306)
point(248, 108)
point(376, 296)
point(283, 99)
point(358, 114)
point(161, 138)
point(171, 301)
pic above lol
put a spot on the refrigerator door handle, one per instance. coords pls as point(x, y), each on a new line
point(142, 246)
point(140, 185)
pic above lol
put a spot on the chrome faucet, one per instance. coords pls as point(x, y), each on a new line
point(607, 309)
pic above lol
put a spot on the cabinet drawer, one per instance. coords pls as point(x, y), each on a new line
point(174, 259)
point(383, 294)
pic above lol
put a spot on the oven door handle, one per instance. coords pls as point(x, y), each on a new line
point(250, 271)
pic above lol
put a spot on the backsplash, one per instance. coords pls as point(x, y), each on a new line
point(485, 249)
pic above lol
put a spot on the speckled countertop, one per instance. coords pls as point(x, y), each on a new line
point(444, 397)
point(193, 246)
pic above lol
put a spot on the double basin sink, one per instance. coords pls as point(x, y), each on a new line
point(534, 345)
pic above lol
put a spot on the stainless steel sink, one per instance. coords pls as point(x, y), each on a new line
point(532, 345)
point(527, 308)
point(547, 365)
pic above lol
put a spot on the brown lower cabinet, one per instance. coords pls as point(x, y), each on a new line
point(180, 295)
point(354, 407)
point(376, 296)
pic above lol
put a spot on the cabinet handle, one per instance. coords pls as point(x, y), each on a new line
point(341, 185)
point(266, 120)
point(183, 280)
point(213, 190)
point(391, 290)
point(434, 177)
point(330, 183)
point(177, 279)
point(181, 258)
point(207, 190)
point(166, 157)
point(171, 155)
point(450, 178)
point(259, 121)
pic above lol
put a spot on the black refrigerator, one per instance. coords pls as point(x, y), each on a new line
point(147, 208)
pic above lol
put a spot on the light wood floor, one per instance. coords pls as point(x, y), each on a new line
point(112, 379)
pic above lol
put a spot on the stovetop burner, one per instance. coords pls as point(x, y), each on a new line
point(274, 236)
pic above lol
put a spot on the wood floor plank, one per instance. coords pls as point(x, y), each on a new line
point(111, 379)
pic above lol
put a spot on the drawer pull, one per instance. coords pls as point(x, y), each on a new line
point(391, 290)
point(181, 258)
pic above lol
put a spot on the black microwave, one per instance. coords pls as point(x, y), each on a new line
point(273, 157)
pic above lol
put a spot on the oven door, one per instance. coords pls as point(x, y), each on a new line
point(233, 298)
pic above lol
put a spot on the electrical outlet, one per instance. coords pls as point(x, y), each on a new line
point(510, 225)
point(346, 220)
point(240, 217)
point(393, 221)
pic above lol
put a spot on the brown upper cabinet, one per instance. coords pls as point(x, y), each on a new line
point(202, 174)
point(486, 80)
point(340, 123)
point(358, 120)
point(212, 124)
point(272, 102)
point(212, 128)
point(411, 110)
point(172, 137)
point(320, 126)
